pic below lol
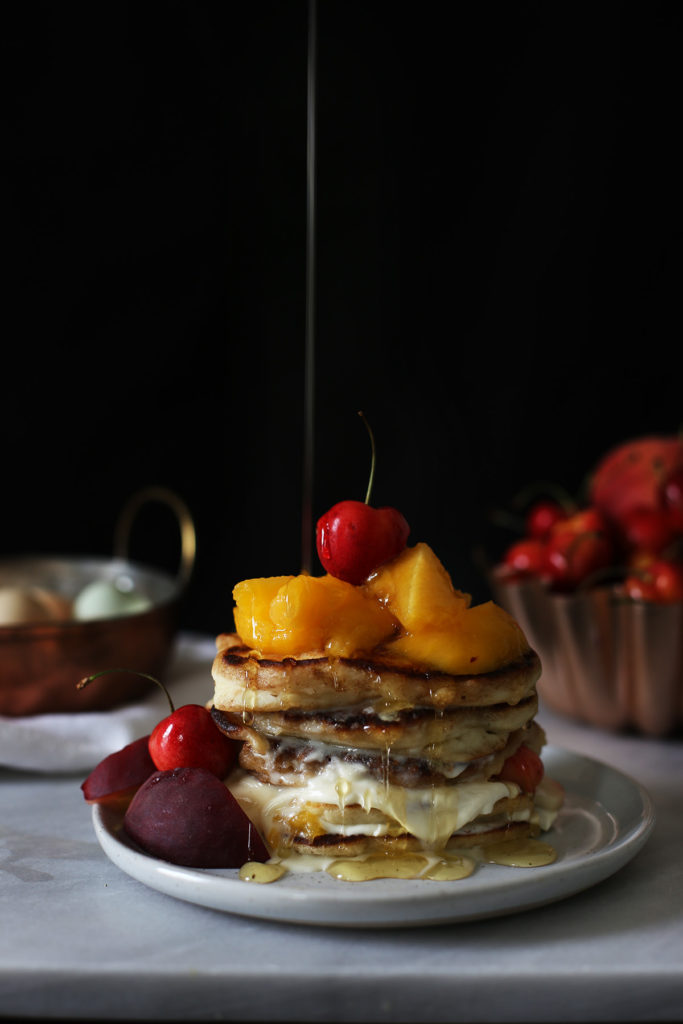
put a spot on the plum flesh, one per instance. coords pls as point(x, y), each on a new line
point(115, 780)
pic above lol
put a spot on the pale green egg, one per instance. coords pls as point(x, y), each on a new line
point(108, 599)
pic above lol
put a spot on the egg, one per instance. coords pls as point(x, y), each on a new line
point(31, 604)
point(107, 599)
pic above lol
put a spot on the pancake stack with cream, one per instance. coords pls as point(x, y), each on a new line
point(383, 718)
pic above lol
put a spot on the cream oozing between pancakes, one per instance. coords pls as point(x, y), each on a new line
point(430, 814)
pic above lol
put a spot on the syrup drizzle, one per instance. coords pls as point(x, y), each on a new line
point(261, 873)
point(445, 867)
point(521, 853)
point(309, 362)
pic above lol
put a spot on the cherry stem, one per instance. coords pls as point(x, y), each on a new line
point(143, 675)
point(501, 517)
point(372, 461)
point(545, 488)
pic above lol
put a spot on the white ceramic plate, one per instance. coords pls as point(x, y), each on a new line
point(606, 819)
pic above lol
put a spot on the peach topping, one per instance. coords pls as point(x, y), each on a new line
point(408, 610)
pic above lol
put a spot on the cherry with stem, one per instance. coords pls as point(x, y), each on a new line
point(353, 539)
point(187, 737)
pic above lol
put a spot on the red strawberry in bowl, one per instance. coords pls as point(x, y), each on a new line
point(631, 475)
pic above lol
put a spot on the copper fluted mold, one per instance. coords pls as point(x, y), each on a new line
point(41, 663)
point(608, 661)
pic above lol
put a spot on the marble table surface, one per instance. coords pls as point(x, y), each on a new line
point(81, 940)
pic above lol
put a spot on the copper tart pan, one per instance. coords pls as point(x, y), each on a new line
point(42, 662)
point(607, 660)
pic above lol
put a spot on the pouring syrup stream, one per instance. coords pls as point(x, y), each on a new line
point(309, 364)
point(449, 867)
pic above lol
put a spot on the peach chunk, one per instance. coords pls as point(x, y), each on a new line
point(290, 616)
point(418, 590)
point(252, 609)
point(483, 638)
point(441, 631)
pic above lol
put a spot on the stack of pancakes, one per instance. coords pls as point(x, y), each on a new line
point(346, 757)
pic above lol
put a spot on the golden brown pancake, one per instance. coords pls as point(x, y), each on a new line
point(244, 682)
point(291, 763)
point(461, 734)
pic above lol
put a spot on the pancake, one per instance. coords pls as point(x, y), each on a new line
point(247, 683)
point(458, 734)
point(290, 762)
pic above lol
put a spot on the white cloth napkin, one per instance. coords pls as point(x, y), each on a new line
point(77, 742)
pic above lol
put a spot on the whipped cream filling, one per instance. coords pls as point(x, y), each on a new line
point(432, 814)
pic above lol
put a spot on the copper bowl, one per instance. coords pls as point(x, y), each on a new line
point(607, 660)
point(42, 662)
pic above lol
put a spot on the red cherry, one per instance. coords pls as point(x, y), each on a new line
point(647, 530)
point(659, 582)
point(189, 738)
point(526, 557)
point(353, 539)
point(578, 547)
point(541, 518)
point(525, 768)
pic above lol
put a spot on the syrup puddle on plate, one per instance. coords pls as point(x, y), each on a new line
point(262, 873)
point(518, 853)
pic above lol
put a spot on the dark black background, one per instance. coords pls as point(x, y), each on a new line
point(498, 266)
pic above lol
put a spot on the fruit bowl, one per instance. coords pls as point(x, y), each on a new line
point(609, 661)
point(46, 648)
point(598, 589)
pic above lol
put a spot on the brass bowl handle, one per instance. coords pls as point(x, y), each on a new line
point(188, 539)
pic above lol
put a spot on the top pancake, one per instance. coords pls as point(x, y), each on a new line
point(245, 682)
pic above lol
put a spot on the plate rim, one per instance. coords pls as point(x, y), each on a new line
point(490, 892)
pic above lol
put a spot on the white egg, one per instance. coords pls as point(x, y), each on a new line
point(31, 604)
point(107, 599)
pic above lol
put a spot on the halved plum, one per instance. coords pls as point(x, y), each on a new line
point(116, 779)
point(188, 816)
